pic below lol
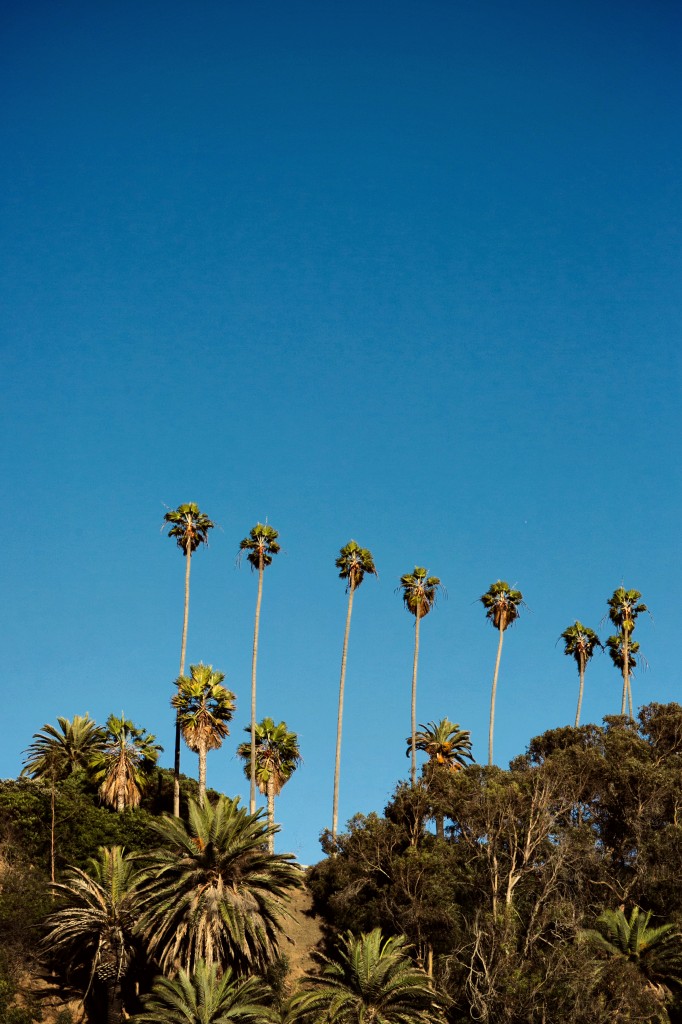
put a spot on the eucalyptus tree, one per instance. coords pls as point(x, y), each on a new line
point(624, 607)
point(580, 643)
point(501, 603)
point(419, 593)
point(211, 891)
point(190, 526)
point(261, 545)
point(204, 708)
point(353, 563)
point(57, 752)
point(92, 928)
point(372, 978)
point(277, 758)
point(123, 765)
point(205, 996)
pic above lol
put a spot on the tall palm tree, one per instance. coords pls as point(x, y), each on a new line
point(56, 753)
point(204, 997)
point(580, 643)
point(620, 649)
point(122, 767)
point(373, 979)
point(353, 564)
point(447, 746)
point(261, 545)
point(655, 951)
point(624, 607)
point(91, 931)
point(277, 758)
point(189, 526)
point(212, 891)
point(501, 603)
point(419, 592)
point(204, 708)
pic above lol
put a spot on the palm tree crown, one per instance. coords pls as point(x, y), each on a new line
point(624, 607)
point(122, 767)
point(580, 643)
point(445, 743)
point(501, 603)
point(261, 544)
point(656, 951)
point(205, 998)
point(419, 591)
point(354, 563)
point(204, 708)
point(211, 890)
point(190, 527)
point(277, 758)
point(58, 752)
point(372, 978)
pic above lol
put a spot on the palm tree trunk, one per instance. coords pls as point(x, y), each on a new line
point(413, 771)
point(581, 669)
point(626, 672)
point(271, 813)
point(339, 724)
point(254, 660)
point(52, 829)
point(202, 773)
point(492, 699)
point(183, 651)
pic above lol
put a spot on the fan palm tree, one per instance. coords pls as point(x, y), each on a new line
point(655, 951)
point(56, 753)
point(419, 593)
point(620, 648)
point(205, 998)
point(261, 545)
point(501, 603)
point(204, 708)
point(122, 767)
point(189, 526)
point(373, 979)
point(353, 564)
point(277, 758)
point(580, 643)
point(447, 747)
point(92, 929)
point(212, 891)
point(624, 607)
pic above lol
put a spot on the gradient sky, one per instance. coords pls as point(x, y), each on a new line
point(404, 273)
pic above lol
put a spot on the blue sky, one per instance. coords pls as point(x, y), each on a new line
point(403, 273)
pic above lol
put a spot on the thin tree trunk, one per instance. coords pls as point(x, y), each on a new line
point(492, 699)
point(52, 829)
point(626, 672)
point(440, 826)
point(581, 669)
point(183, 651)
point(413, 771)
point(254, 660)
point(202, 774)
point(339, 724)
point(271, 813)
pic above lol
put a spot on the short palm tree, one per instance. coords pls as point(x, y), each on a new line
point(91, 931)
point(353, 563)
point(373, 979)
point(277, 758)
point(205, 997)
point(211, 891)
point(621, 649)
point(189, 526)
point(204, 708)
point(655, 951)
point(448, 747)
point(419, 592)
point(624, 607)
point(501, 603)
point(261, 545)
point(56, 753)
point(122, 767)
point(580, 643)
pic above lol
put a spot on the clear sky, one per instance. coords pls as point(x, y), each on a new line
point(404, 273)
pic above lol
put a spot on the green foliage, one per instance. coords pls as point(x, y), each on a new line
point(205, 997)
point(501, 603)
point(277, 755)
point(354, 563)
point(419, 591)
point(261, 544)
point(189, 526)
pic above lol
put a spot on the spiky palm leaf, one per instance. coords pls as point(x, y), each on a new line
point(655, 950)
point(203, 997)
point(57, 752)
point(212, 891)
point(444, 742)
point(122, 767)
point(372, 978)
